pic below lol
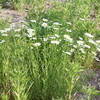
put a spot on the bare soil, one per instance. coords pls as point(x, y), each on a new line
point(12, 16)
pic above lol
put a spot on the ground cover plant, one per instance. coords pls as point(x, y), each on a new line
point(46, 57)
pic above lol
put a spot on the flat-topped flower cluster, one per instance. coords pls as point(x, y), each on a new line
point(51, 36)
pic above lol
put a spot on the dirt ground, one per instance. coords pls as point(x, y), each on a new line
point(12, 16)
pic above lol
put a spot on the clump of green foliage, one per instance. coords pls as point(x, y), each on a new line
point(45, 57)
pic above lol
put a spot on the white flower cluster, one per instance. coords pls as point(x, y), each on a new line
point(31, 32)
point(68, 30)
point(5, 30)
point(45, 20)
point(88, 35)
point(80, 43)
point(33, 21)
point(68, 38)
point(68, 53)
point(44, 25)
point(68, 23)
point(55, 42)
point(57, 23)
point(2, 41)
point(37, 44)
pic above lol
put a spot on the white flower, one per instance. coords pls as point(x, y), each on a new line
point(34, 38)
point(55, 42)
point(72, 50)
point(98, 41)
point(45, 20)
point(82, 50)
point(4, 34)
point(82, 19)
point(80, 42)
point(23, 26)
point(80, 38)
point(98, 49)
point(94, 53)
point(56, 28)
point(68, 30)
point(56, 23)
point(88, 35)
point(37, 44)
point(74, 46)
point(68, 53)
point(97, 59)
point(92, 42)
point(28, 35)
point(3, 31)
point(2, 41)
point(52, 37)
point(44, 25)
point(69, 23)
point(31, 31)
point(45, 39)
point(31, 47)
point(33, 21)
point(68, 38)
point(18, 35)
point(87, 46)
point(56, 35)
point(8, 29)
point(12, 25)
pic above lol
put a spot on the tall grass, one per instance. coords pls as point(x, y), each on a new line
point(45, 58)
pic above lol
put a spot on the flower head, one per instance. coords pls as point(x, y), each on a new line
point(87, 46)
point(68, 23)
point(68, 30)
point(82, 50)
point(82, 19)
point(44, 25)
point(68, 38)
point(2, 41)
point(52, 37)
point(31, 32)
point(45, 20)
point(56, 35)
point(80, 42)
point(17, 35)
point(33, 21)
point(45, 39)
point(98, 41)
point(56, 28)
point(68, 53)
point(55, 42)
point(4, 34)
point(56, 23)
point(88, 35)
point(37, 44)
point(92, 42)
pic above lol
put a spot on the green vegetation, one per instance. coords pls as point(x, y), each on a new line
point(45, 57)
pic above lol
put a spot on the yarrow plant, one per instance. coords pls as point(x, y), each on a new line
point(45, 56)
point(37, 44)
point(55, 42)
point(44, 25)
